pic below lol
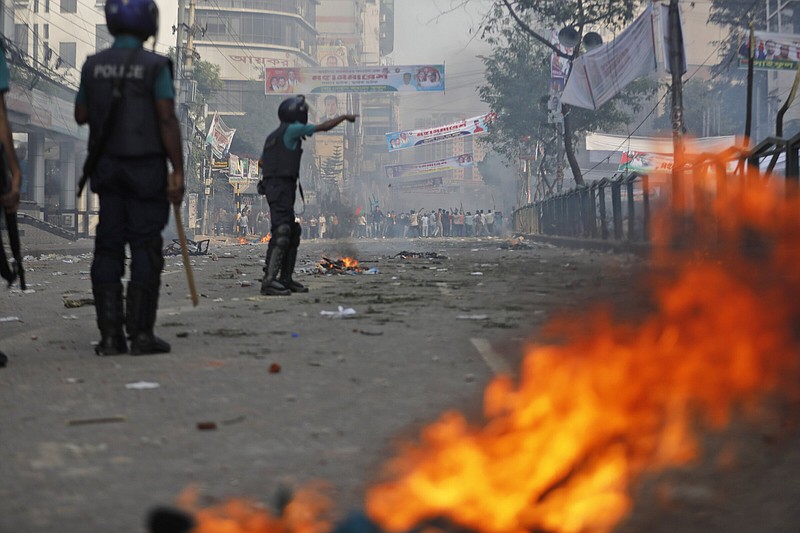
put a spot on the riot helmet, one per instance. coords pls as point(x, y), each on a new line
point(134, 17)
point(294, 109)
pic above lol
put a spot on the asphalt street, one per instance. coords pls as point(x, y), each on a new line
point(263, 391)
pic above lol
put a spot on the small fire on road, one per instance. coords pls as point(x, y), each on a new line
point(339, 266)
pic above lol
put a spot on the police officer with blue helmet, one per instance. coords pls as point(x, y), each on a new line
point(280, 161)
point(131, 176)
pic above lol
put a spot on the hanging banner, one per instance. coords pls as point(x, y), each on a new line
point(415, 169)
point(219, 137)
point(774, 51)
point(387, 79)
point(399, 140)
point(417, 185)
point(254, 171)
point(597, 76)
point(645, 162)
point(234, 167)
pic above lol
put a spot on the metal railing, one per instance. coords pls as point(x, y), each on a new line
point(618, 209)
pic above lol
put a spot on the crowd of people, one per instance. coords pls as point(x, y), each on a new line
point(408, 224)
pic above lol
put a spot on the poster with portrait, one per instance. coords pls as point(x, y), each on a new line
point(332, 56)
point(773, 51)
point(379, 79)
point(416, 169)
point(400, 140)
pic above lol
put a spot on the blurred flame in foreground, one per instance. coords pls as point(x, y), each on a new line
point(306, 512)
point(560, 449)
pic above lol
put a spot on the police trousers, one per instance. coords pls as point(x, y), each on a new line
point(281, 194)
point(133, 210)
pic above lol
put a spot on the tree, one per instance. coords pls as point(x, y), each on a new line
point(259, 118)
point(517, 88)
point(581, 15)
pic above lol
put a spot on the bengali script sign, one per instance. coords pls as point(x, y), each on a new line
point(219, 137)
point(773, 51)
point(416, 169)
point(417, 185)
point(645, 162)
point(387, 79)
point(400, 140)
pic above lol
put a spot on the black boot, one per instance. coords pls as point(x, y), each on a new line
point(270, 286)
point(142, 306)
point(287, 270)
point(108, 305)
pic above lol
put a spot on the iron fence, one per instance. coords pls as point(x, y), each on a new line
point(618, 209)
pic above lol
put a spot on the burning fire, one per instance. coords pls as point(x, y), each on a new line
point(306, 512)
point(242, 240)
point(345, 264)
point(266, 238)
point(606, 402)
point(560, 449)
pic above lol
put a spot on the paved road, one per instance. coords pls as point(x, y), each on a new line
point(427, 336)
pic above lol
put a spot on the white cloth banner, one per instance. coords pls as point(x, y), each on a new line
point(598, 76)
point(621, 143)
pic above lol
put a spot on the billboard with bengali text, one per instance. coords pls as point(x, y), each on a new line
point(416, 169)
point(379, 79)
point(399, 140)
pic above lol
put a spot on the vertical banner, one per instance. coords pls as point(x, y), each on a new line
point(599, 75)
point(219, 137)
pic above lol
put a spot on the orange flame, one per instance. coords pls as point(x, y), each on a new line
point(266, 238)
point(242, 240)
point(350, 262)
point(305, 513)
point(560, 449)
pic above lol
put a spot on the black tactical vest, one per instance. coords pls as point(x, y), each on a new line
point(279, 161)
point(136, 130)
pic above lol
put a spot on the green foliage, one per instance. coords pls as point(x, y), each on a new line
point(518, 73)
point(517, 89)
point(333, 165)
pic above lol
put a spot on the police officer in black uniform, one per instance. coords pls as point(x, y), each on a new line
point(280, 161)
point(131, 175)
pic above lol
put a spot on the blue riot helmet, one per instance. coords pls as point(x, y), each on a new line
point(134, 17)
point(294, 109)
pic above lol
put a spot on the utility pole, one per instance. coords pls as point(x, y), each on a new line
point(676, 62)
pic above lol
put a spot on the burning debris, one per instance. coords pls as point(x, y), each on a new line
point(344, 265)
point(419, 255)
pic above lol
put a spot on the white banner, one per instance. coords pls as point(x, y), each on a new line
point(598, 75)
point(398, 140)
point(219, 137)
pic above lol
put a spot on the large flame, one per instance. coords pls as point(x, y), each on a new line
point(561, 448)
point(350, 262)
point(604, 401)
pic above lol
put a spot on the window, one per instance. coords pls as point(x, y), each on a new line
point(102, 39)
point(46, 34)
point(47, 6)
point(67, 53)
point(68, 6)
point(21, 36)
point(35, 6)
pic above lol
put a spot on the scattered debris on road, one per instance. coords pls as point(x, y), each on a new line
point(100, 420)
point(341, 313)
point(142, 385)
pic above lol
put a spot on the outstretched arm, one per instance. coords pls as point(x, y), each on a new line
point(332, 123)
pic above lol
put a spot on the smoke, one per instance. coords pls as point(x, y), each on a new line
point(501, 178)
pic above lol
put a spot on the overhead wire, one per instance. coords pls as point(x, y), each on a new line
point(658, 103)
